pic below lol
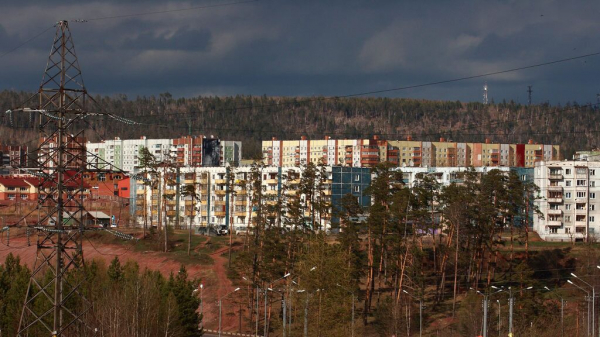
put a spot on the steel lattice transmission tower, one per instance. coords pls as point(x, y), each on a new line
point(55, 304)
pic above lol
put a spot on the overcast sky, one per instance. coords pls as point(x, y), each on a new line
point(306, 48)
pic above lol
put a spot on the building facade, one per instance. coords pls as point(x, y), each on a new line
point(193, 151)
point(404, 153)
point(568, 200)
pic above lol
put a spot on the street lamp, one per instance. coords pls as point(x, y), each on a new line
point(221, 307)
point(351, 292)
point(593, 303)
point(499, 317)
point(420, 311)
point(588, 302)
point(266, 325)
point(485, 307)
point(562, 312)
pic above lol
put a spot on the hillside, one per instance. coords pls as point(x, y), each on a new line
point(252, 119)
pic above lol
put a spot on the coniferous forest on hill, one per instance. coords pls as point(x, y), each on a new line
point(251, 119)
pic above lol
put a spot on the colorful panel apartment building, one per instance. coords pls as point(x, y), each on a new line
point(405, 153)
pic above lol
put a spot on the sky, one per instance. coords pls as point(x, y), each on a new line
point(313, 48)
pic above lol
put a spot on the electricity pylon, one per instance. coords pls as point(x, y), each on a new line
point(55, 304)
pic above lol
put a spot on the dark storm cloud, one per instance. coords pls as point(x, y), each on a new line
point(314, 47)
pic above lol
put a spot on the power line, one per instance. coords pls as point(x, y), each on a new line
point(166, 11)
point(413, 86)
point(126, 16)
point(26, 41)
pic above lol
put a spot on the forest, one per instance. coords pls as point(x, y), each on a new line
point(251, 119)
point(425, 252)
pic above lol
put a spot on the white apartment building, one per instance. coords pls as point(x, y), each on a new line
point(568, 200)
point(214, 204)
point(119, 154)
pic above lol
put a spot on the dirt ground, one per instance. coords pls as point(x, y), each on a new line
point(213, 277)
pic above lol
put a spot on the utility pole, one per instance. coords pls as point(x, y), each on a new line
point(529, 91)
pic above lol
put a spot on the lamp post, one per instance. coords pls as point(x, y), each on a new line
point(221, 307)
point(485, 307)
point(351, 292)
point(421, 312)
point(498, 301)
point(593, 303)
point(511, 304)
point(266, 328)
point(562, 311)
point(587, 298)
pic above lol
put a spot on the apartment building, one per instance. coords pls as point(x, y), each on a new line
point(119, 154)
point(405, 153)
point(218, 206)
point(569, 191)
point(74, 156)
point(13, 155)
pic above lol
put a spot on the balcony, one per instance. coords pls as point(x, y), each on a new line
point(554, 212)
point(555, 176)
point(241, 202)
point(554, 223)
point(219, 213)
point(241, 192)
point(220, 181)
point(555, 188)
point(220, 192)
point(271, 192)
point(219, 202)
point(271, 181)
point(171, 213)
point(240, 213)
point(555, 200)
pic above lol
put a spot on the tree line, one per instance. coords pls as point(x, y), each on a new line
point(125, 300)
point(252, 119)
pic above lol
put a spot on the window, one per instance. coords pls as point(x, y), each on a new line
point(553, 230)
point(101, 177)
point(567, 171)
point(592, 207)
point(592, 218)
point(568, 195)
point(567, 218)
point(592, 172)
point(554, 206)
point(357, 177)
point(592, 183)
point(568, 230)
point(356, 189)
point(23, 196)
point(580, 206)
point(581, 182)
point(581, 170)
point(567, 183)
point(592, 195)
point(567, 206)
point(580, 218)
point(580, 194)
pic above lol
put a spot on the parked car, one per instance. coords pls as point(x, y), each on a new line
point(222, 230)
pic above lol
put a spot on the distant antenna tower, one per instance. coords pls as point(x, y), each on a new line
point(485, 94)
point(529, 91)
